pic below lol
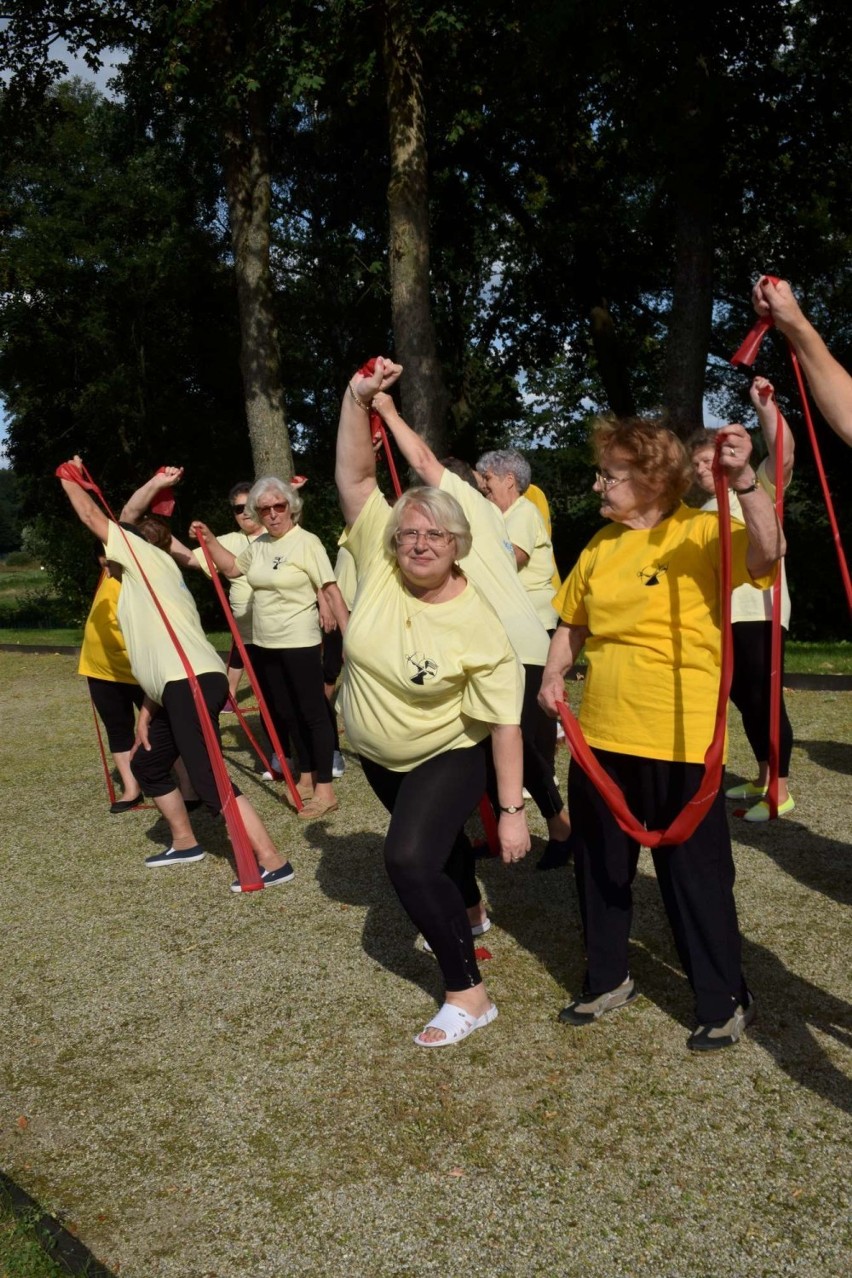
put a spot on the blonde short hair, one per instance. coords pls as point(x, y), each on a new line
point(659, 458)
point(444, 511)
point(278, 488)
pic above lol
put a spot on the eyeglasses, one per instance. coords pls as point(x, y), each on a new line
point(434, 537)
point(239, 507)
point(608, 481)
point(277, 508)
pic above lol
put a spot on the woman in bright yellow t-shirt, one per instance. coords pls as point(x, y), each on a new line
point(431, 688)
point(644, 599)
point(115, 693)
point(285, 568)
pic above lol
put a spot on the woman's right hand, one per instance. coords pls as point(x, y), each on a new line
point(383, 376)
point(200, 531)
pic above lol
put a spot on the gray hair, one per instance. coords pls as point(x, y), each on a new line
point(278, 488)
point(507, 461)
point(442, 509)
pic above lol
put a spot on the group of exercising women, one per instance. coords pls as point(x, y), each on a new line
point(457, 642)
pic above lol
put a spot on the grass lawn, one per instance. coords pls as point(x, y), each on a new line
point(221, 1085)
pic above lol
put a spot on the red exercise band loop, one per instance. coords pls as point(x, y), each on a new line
point(688, 820)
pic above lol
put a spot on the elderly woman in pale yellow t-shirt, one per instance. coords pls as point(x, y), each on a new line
point(285, 568)
point(432, 691)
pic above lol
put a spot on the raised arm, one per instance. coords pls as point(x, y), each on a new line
point(222, 558)
point(136, 506)
point(762, 394)
point(87, 511)
point(415, 450)
point(766, 544)
point(830, 384)
point(355, 469)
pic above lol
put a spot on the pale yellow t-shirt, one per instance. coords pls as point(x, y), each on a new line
point(285, 574)
point(153, 656)
point(527, 531)
point(748, 604)
point(492, 568)
point(419, 679)
point(240, 592)
point(650, 598)
point(346, 574)
point(103, 654)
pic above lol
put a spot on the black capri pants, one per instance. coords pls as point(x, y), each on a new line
point(176, 732)
point(292, 683)
point(428, 807)
point(750, 689)
point(117, 703)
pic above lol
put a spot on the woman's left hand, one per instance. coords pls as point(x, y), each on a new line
point(384, 374)
point(514, 836)
point(734, 452)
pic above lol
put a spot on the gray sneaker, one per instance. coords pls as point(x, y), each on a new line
point(338, 765)
point(718, 1034)
point(590, 1007)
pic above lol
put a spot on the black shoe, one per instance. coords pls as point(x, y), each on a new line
point(718, 1034)
point(591, 1007)
point(270, 878)
point(172, 856)
point(126, 805)
point(556, 855)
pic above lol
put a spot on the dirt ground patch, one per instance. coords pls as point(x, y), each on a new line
point(211, 1086)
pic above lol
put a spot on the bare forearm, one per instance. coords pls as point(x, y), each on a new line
point(507, 746)
point(830, 384)
point(565, 647)
point(766, 544)
point(334, 599)
point(415, 450)
point(87, 512)
point(355, 466)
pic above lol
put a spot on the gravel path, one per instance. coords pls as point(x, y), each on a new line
point(210, 1086)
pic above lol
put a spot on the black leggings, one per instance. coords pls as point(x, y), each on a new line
point(116, 703)
point(750, 689)
point(428, 807)
point(291, 681)
point(539, 737)
point(176, 731)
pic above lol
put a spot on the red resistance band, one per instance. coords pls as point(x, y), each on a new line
point(378, 432)
point(247, 870)
point(746, 355)
point(687, 821)
point(249, 668)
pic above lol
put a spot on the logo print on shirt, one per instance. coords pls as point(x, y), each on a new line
point(425, 668)
point(277, 562)
point(651, 576)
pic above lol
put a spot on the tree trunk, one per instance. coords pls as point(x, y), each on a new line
point(248, 189)
point(424, 395)
point(692, 307)
point(610, 360)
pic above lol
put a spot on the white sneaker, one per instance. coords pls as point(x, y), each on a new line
point(275, 764)
point(338, 765)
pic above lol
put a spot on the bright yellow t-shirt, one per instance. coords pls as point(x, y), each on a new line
point(492, 568)
point(285, 574)
point(154, 659)
point(650, 598)
point(103, 654)
point(419, 679)
point(240, 592)
point(527, 531)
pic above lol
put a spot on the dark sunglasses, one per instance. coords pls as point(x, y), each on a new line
point(239, 507)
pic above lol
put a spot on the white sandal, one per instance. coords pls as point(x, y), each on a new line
point(456, 1024)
